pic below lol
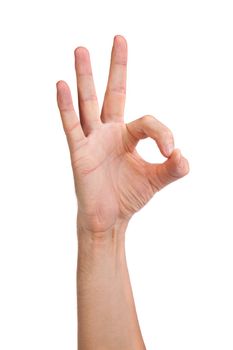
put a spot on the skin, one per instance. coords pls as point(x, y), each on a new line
point(112, 182)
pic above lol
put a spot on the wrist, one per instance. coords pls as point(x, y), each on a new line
point(91, 230)
point(101, 250)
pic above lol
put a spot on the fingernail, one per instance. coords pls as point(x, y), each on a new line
point(169, 148)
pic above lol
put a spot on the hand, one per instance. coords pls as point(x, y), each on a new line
point(112, 181)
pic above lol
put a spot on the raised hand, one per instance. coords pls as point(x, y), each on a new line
point(112, 180)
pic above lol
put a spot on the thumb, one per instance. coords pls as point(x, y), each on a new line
point(174, 168)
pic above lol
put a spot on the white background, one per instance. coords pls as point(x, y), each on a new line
point(179, 247)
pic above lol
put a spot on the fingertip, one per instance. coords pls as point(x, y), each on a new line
point(166, 140)
point(185, 165)
point(120, 41)
point(81, 52)
point(176, 155)
point(119, 37)
point(61, 84)
point(64, 97)
point(172, 163)
point(82, 61)
point(58, 84)
point(181, 164)
point(168, 149)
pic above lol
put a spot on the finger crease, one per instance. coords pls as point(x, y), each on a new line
point(122, 63)
point(74, 126)
point(119, 90)
point(89, 98)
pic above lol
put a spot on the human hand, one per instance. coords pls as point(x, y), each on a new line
point(112, 181)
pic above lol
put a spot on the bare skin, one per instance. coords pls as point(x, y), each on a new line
point(112, 182)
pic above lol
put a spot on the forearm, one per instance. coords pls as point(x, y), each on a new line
point(107, 318)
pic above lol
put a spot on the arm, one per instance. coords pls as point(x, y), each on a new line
point(106, 310)
point(112, 182)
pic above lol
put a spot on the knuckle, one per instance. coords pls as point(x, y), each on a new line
point(147, 118)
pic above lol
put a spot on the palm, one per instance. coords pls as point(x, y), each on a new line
point(111, 179)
